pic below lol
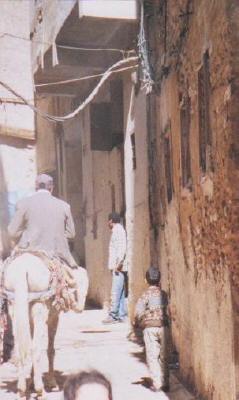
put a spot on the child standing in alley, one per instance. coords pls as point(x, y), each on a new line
point(151, 315)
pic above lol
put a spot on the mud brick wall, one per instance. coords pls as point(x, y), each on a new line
point(233, 175)
point(198, 239)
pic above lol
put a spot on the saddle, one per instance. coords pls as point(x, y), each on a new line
point(62, 283)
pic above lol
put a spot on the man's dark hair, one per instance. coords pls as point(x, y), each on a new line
point(74, 382)
point(114, 217)
point(46, 186)
point(153, 276)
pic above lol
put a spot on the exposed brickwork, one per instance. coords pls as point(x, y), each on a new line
point(199, 250)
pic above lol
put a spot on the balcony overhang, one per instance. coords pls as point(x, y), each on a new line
point(91, 25)
point(113, 9)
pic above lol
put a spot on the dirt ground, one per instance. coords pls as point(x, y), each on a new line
point(83, 342)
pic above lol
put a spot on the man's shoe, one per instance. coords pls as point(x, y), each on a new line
point(110, 320)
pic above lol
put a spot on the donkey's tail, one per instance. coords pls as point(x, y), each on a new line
point(22, 331)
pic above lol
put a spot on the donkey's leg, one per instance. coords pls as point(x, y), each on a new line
point(82, 285)
point(10, 353)
point(39, 317)
point(22, 375)
point(53, 320)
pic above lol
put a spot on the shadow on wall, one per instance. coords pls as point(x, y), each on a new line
point(9, 197)
point(4, 215)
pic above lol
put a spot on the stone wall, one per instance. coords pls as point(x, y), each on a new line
point(233, 255)
point(198, 204)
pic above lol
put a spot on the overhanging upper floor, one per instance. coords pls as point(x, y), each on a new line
point(93, 36)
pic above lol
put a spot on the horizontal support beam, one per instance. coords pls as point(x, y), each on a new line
point(96, 61)
point(81, 89)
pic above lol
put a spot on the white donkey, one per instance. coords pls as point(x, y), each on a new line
point(28, 279)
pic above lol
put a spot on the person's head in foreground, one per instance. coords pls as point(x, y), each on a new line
point(87, 385)
point(153, 276)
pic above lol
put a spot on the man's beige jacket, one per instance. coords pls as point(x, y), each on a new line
point(43, 222)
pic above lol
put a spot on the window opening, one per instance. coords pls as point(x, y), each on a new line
point(205, 137)
point(185, 142)
point(132, 138)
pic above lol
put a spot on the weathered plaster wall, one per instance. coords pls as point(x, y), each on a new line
point(17, 155)
point(17, 180)
point(102, 171)
point(59, 153)
point(136, 189)
point(16, 119)
point(74, 183)
point(233, 100)
point(195, 248)
point(45, 130)
point(47, 18)
point(94, 184)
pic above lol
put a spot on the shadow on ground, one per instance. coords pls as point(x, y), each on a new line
point(144, 381)
point(175, 392)
point(11, 386)
point(60, 380)
point(139, 355)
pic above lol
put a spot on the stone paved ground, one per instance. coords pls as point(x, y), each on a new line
point(83, 342)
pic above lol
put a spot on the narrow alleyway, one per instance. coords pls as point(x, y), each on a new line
point(83, 342)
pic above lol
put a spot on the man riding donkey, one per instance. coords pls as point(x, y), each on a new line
point(42, 225)
point(40, 230)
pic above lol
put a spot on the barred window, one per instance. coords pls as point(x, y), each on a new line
point(132, 139)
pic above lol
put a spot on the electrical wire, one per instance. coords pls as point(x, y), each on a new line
point(83, 78)
point(144, 54)
point(54, 118)
point(62, 46)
